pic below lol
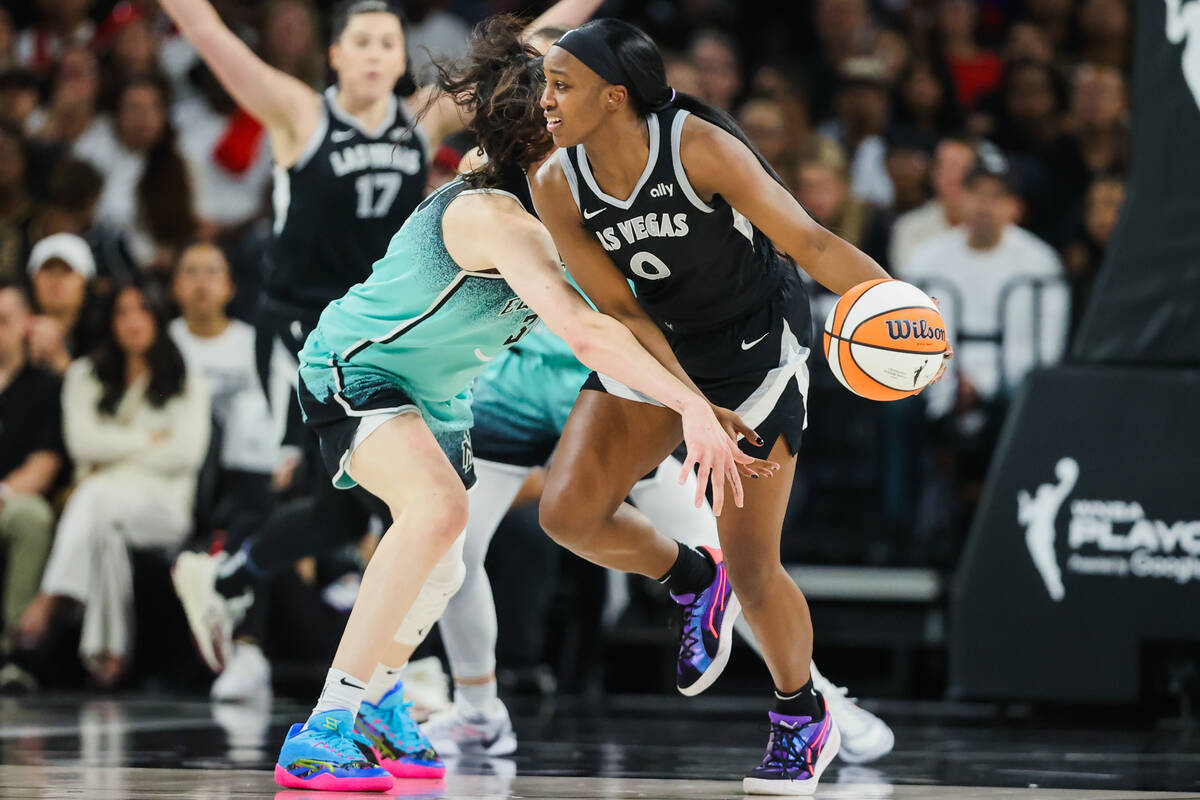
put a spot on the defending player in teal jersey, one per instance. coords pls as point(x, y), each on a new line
point(384, 382)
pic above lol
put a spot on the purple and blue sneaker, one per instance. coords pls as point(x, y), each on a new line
point(706, 638)
point(326, 754)
point(798, 751)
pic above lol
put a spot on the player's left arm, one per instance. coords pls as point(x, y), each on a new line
point(717, 163)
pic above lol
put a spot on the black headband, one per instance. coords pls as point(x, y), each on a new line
point(593, 52)
point(589, 47)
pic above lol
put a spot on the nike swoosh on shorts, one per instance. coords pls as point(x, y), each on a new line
point(747, 346)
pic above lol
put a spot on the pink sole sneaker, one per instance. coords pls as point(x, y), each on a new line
point(405, 769)
point(328, 783)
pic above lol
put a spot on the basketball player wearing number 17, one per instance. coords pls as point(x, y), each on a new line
point(659, 188)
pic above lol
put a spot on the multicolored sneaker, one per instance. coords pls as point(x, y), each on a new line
point(396, 739)
point(798, 751)
point(326, 754)
point(707, 634)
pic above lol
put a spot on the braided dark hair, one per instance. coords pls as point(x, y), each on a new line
point(500, 82)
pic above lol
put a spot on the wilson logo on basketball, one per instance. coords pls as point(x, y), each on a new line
point(914, 329)
point(885, 339)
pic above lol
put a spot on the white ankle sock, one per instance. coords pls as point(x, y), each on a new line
point(481, 697)
point(342, 690)
point(382, 681)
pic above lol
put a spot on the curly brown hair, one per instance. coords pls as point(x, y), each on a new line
point(500, 82)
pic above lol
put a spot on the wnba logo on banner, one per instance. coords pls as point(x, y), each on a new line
point(1104, 537)
point(1183, 27)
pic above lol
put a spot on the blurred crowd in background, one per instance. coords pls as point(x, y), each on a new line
point(977, 148)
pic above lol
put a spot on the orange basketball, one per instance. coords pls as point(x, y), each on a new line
point(885, 339)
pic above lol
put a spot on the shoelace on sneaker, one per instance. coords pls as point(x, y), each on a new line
point(787, 750)
point(344, 747)
point(409, 734)
point(691, 637)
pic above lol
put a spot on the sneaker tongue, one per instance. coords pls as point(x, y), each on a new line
point(794, 722)
point(393, 695)
point(343, 720)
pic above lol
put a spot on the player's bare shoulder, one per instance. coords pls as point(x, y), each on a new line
point(548, 184)
point(706, 150)
point(480, 210)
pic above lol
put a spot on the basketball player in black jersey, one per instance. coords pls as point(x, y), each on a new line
point(349, 170)
point(663, 190)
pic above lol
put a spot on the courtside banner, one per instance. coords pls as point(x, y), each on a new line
point(1145, 307)
point(1086, 545)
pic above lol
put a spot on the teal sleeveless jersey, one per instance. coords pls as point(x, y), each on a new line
point(420, 318)
point(539, 378)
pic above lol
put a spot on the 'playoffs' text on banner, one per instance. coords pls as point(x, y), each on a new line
point(1104, 537)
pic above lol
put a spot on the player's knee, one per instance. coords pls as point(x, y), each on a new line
point(562, 519)
point(448, 518)
point(440, 517)
point(753, 578)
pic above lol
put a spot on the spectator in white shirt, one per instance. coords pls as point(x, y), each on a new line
point(943, 211)
point(148, 188)
point(229, 152)
point(136, 426)
point(985, 273)
point(221, 349)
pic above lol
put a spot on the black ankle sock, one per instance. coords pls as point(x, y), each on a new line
point(692, 572)
point(804, 702)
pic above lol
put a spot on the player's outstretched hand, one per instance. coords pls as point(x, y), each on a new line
point(714, 453)
point(735, 426)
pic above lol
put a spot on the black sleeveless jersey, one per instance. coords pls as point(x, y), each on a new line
point(339, 205)
point(694, 265)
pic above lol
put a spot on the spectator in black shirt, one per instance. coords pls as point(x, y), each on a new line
point(31, 457)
